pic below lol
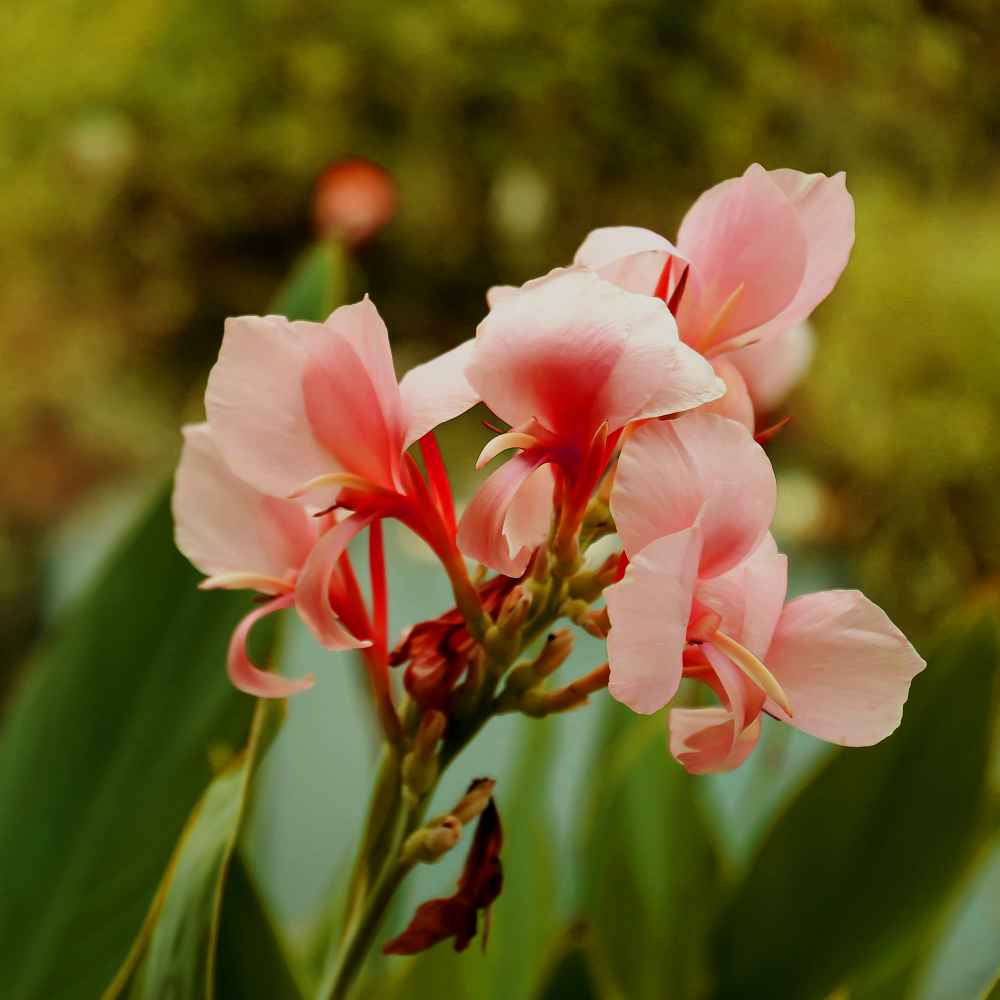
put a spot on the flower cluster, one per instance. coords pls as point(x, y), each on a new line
point(630, 384)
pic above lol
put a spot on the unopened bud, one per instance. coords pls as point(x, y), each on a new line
point(431, 842)
point(596, 623)
point(475, 800)
point(420, 765)
point(514, 611)
point(554, 653)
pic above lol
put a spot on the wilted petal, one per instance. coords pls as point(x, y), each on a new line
point(500, 528)
point(437, 391)
point(575, 351)
point(319, 584)
point(708, 740)
point(649, 610)
point(845, 667)
point(256, 407)
point(225, 526)
point(699, 467)
point(826, 214)
point(744, 239)
point(244, 675)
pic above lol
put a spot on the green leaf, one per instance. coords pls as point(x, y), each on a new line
point(107, 748)
point(570, 975)
point(649, 872)
point(175, 953)
point(317, 284)
point(863, 858)
point(102, 758)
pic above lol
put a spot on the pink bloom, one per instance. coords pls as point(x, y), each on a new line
point(243, 539)
point(754, 257)
point(567, 360)
point(703, 597)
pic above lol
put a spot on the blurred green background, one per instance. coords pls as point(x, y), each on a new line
point(157, 163)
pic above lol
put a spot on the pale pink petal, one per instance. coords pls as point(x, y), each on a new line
point(575, 351)
point(649, 610)
point(826, 213)
point(251, 679)
point(497, 293)
point(699, 467)
point(629, 257)
point(743, 238)
point(772, 367)
point(437, 391)
point(256, 408)
point(529, 516)
point(707, 740)
point(225, 526)
point(484, 533)
point(738, 693)
point(351, 396)
point(736, 403)
point(845, 667)
point(315, 591)
point(749, 597)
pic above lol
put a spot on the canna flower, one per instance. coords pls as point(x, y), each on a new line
point(704, 597)
point(314, 412)
point(754, 257)
point(568, 361)
point(243, 539)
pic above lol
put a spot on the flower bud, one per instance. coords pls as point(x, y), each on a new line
point(514, 612)
point(475, 800)
point(420, 765)
point(554, 653)
point(431, 842)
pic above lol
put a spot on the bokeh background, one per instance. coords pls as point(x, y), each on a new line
point(157, 170)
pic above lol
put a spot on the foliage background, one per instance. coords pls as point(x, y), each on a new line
point(156, 167)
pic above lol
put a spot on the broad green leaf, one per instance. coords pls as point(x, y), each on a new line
point(864, 857)
point(649, 873)
point(108, 746)
point(964, 960)
point(317, 284)
point(570, 975)
point(102, 758)
point(175, 953)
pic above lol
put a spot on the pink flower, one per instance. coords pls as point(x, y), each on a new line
point(568, 361)
point(754, 257)
point(703, 597)
point(243, 539)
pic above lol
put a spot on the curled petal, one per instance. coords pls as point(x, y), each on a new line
point(244, 675)
point(700, 467)
point(649, 611)
point(574, 351)
point(630, 257)
point(771, 367)
point(501, 527)
point(502, 443)
point(320, 587)
point(709, 740)
point(748, 254)
point(437, 391)
point(845, 667)
point(826, 214)
point(229, 530)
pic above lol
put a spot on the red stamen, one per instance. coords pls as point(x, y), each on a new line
point(770, 432)
point(380, 592)
point(437, 476)
point(493, 427)
point(675, 298)
point(663, 283)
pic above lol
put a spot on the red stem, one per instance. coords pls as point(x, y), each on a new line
point(437, 476)
point(380, 591)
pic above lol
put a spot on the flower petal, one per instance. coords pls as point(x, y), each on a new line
point(736, 403)
point(747, 248)
point(749, 597)
point(225, 526)
point(351, 396)
point(500, 528)
point(699, 467)
point(437, 391)
point(845, 667)
point(628, 256)
point(649, 611)
point(256, 408)
point(773, 366)
point(826, 213)
point(707, 740)
point(575, 351)
point(251, 679)
point(319, 586)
